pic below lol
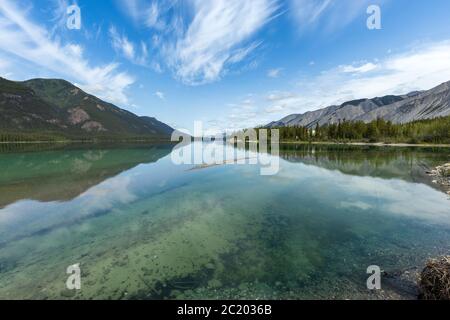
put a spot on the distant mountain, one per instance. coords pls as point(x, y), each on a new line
point(417, 105)
point(162, 127)
point(57, 106)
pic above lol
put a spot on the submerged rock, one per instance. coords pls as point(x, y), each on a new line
point(441, 175)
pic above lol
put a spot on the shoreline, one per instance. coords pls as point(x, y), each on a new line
point(370, 144)
point(84, 141)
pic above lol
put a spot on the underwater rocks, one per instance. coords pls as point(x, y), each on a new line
point(400, 284)
point(441, 175)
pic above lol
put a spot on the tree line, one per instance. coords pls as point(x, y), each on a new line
point(28, 137)
point(423, 131)
point(46, 136)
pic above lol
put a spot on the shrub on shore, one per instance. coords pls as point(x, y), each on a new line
point(434, 281)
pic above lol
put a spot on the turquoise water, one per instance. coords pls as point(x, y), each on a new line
point(143, 228)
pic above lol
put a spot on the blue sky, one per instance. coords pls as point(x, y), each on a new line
point(228, 63)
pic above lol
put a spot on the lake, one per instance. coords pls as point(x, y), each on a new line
point(141, 227)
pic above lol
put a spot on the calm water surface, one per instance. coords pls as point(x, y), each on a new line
point(142, 228)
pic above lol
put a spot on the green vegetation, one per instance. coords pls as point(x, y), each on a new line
point(49, 110)
point(434, 131)
point(50, 136)
point(30, 137)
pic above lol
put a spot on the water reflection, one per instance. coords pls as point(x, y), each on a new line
point(145, 228)
point(406, 163)
point(61, 175)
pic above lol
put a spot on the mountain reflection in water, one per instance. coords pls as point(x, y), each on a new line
point(142, 227)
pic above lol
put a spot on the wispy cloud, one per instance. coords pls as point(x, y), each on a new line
point(328, 14)
point(137, 54)
point(20, 37)
point(199, 41)
point(160, 95)
point(244, 113)
point(57, 12)
point(58, 15)
point(366, 67)
point(217, 37)
point(152, 16)
point(421, 68)
point(150, 13)
point(274, 73)
point(133, 8)
point(307, 12)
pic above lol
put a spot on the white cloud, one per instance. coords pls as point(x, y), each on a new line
point(128, 49)
point(367, 67)
point(275, 108)
point(309, 11)
point(153, 13)
point(121, 43)
point(274, 73)
point(218, 36)
point(160, 95)
point(421, 68)
point(200, 41)
point(242, 53)
point(244, 114)
point(278, 96)
point(21, 38)
point(59, 15)
point(132, 8)
point(281, 102)
point(149, 13)
point(328, 14)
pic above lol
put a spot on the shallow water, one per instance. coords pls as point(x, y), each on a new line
point(143, 228)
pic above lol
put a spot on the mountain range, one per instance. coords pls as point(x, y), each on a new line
point(58, 107)
point(414, 106)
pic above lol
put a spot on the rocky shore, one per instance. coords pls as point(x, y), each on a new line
point(441, 175)
point(434, 281)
